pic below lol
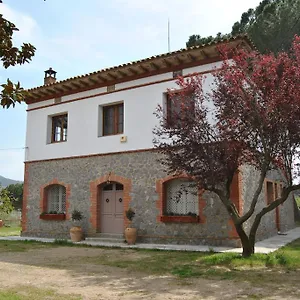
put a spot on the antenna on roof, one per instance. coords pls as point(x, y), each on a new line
point(169, 47)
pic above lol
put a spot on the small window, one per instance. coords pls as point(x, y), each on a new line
point(111, 88)
point(113, 119)
point(177, 73)
point(57, 100)
point(270, 192)
point(56, 199)
point(276, 190)
point(59, 128)
point(108, 187)
point(119, 187)
point(181, 198)
point(280, 189)
point(179, 107)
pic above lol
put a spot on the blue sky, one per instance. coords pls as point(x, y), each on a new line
point(78, 37)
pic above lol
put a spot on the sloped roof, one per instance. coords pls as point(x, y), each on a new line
point(153, 65)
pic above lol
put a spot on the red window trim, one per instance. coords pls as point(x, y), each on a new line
point(180, 219)
point(161, 203)
point(44, 200)
point(53, 217)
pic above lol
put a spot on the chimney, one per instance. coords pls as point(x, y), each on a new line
point(50, 76)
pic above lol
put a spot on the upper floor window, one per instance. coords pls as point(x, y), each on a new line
point(56, 199)
point(59, 128)
point(179, 107)
point(181, 198)
point(113, 119)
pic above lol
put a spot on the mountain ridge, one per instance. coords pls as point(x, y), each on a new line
point(4, 182)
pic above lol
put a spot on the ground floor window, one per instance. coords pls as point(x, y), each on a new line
point(181, 198)
point(56, 199)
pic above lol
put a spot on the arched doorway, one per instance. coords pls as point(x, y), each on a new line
point(111, 206)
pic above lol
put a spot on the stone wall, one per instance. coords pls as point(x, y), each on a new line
point(267, 226)
point(143, 170)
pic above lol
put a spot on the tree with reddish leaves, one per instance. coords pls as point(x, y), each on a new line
point(251, 117)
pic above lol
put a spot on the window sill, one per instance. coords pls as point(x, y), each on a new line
point(53, 217)
point(113, 134)
point(59, 142)
point(180, 219)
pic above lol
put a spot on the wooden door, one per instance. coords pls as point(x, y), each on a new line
point(111, 211)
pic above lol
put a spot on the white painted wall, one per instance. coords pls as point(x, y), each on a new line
point(83, 119)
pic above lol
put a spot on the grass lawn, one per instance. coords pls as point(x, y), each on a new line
point(179, 263)
point(9, 231)
point(29, 293)
point(143, 273)
point(208, 265)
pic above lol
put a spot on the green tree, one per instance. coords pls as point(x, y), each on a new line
point(196, 39)
point(15, 192)
point(6, 206)
point(271, 26)
point(10, 55)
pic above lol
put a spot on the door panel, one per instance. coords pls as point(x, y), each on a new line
point(119, 218)
point(111, 212)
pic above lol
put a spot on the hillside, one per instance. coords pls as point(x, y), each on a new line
point(5, 181)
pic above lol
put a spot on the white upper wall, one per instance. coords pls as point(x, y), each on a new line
point(84, 118)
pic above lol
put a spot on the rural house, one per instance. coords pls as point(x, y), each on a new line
point(89, 147)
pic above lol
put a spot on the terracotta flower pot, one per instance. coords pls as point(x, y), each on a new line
point(76, 234)
point(130, 235)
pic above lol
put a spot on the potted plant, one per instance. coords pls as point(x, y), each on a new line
point(130, 233)
point(76, 232)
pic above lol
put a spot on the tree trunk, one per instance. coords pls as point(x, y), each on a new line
point(247, 244)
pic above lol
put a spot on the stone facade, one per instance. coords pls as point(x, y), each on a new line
point(139, 172)
point(267, 226)
point(143, 170)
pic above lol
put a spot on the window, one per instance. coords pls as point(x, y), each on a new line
point(179, 108)
point(276, 190)
point(56, 199)
point(177, 73)
point(111, 88)
point(59, 128)
point(113, 119)
point(270, 192)
point(181, 198)
point(57, 100)
point(280, 189)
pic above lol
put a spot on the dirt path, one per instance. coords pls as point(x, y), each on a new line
point(67, 271)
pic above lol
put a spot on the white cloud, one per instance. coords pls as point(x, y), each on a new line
point(26, 24)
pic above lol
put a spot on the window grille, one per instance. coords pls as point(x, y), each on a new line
point(181, 198)
point(56, 197)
